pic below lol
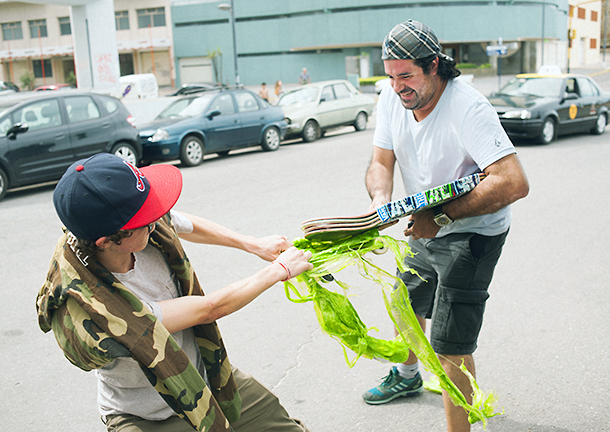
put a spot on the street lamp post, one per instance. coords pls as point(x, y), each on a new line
point(231, 8)
point(542, 41)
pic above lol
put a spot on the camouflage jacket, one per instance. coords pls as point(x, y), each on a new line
point(96, 319)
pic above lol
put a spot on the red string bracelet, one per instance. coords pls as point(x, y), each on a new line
point(288, 274)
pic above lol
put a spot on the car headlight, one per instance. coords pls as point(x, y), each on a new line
point(517, 114)
point(160, 135)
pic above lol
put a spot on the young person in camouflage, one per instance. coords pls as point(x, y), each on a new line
point(122, 299)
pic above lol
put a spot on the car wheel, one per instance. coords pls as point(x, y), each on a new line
point(547, 134)
point(360, 123)
point(310, 131)
point(600, 126)
point(127, 152)
point(271, 140)
point(191, 151)
point(3, 183)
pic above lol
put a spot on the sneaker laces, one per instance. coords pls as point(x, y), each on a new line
point(386, 379)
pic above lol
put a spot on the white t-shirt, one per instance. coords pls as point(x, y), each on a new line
point(122, 386)
point(461, 136)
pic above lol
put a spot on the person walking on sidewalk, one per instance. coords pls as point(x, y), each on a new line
point(122, 299)
point(437, 129)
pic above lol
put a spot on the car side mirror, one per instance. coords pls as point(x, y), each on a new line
point(213, 114)
point(322, 100)
point(17, 129)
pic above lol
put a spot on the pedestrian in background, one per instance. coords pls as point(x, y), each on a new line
point(438, 129)
point(304, 78)
point(122, 298)
point(263, 92)
point(278, 89)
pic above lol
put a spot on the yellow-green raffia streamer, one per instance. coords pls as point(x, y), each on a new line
point(338, 317)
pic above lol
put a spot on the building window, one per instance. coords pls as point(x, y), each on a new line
point(38, 28)
point(593, 16)
point(154, 17)
point(48, 71)
point(122, 20)
point(64, 26)
point(12, 31)
point(593, 44)
point(582, 13)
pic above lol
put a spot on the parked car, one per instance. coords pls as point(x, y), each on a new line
point(52, 87)
point(216, 121)
point(314, 108)
point(542, 106)
point(6, 86)
point(42, 134)
point(191, 88)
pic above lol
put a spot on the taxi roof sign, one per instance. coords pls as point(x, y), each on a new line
point(549, 70)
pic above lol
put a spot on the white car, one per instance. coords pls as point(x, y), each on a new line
point(314, 108)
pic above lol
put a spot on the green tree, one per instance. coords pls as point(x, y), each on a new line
point(216, 57)
point(71, 79)
point(27, 80)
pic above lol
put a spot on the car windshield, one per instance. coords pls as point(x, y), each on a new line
point(302, 96)
point(542, 87)
point(6, 106)
point(188, 107)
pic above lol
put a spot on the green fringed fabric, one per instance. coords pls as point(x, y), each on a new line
point(338, 317)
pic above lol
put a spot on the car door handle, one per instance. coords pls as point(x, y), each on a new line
point(81, 135)
point(60, 136)
point(106, 124)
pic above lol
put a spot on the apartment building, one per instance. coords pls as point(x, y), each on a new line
point(37, 38)
point(585, 32)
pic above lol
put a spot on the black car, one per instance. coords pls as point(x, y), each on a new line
point(215, 121)
point(41, 135)
point(544, 106)
point(192, 88)
point(8, 87)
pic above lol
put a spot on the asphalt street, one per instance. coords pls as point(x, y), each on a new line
point(544, 344)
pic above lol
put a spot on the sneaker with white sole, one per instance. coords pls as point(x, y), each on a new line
point(392, 387)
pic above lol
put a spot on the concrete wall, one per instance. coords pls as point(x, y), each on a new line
point(277, 38)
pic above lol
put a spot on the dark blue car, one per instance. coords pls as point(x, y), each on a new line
point(217, 121)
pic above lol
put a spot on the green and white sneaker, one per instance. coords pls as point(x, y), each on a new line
point(392, 387)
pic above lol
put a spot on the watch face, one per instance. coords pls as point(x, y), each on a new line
point(442, 220)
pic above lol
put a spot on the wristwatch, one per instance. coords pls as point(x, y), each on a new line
point(440, 218)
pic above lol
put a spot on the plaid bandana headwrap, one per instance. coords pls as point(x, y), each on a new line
point(410, 40)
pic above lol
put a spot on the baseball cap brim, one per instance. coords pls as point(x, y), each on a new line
point(165, 187)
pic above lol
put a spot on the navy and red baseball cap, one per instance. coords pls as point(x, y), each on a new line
point(103, 194)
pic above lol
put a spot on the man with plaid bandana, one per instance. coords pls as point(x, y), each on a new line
point(438, 129)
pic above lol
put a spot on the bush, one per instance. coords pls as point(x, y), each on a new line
point(466, 66)
point(27, 80)
point(371, 80)
point(472, 66)
point(71, 79)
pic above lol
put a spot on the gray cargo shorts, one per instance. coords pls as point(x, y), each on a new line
point(457, 269)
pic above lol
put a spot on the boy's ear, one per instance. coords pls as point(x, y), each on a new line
point(103, 242)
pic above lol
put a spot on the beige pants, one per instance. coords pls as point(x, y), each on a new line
point(261, 411)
